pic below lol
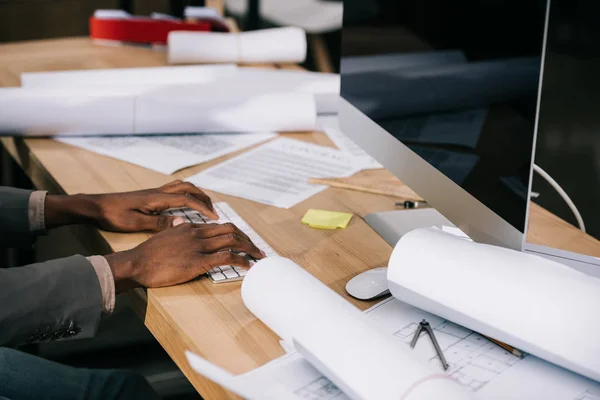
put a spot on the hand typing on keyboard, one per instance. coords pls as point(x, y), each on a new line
point(182, 253)
point(227, 215)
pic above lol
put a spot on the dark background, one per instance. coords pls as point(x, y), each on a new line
point(568, 145)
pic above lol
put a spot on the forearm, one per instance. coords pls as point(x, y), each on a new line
point(63, 210)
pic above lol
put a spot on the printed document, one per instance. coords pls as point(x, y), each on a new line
point(277, 172)
point(169, 153)
point(345, 144)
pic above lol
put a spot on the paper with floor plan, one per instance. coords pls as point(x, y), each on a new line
point(170, 153)
point(345, 144)
point(478, 364)
point(277, 172)
point(290, 377)
point(487, 369)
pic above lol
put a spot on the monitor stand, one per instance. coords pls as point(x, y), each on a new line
point(392, 225)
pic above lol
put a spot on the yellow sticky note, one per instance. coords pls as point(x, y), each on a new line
point(321, 219)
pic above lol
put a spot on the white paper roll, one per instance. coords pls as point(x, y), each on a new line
point(324, 86)
point(337, 338)
point(153, 110)
point(183, 109)
point(116, 77)
point(534, 304)
point(40, 112)
point(278, 45)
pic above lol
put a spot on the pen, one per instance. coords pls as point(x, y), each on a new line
point(506, 347)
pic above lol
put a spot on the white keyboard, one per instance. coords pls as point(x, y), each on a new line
point(226, 214)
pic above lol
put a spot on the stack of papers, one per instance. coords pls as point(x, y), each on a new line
point(167, 154)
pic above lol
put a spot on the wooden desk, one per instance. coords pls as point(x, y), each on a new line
point(209, 319)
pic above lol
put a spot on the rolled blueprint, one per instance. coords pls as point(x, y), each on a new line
point(338, 339)
point(324, 86)
point(40, 112)
point(278, 45)
point(117, 77)
point(534, 304)
point(190, 112)
point(169, 109)
point(423, 90)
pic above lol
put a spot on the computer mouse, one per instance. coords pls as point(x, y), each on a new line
point(369, 285)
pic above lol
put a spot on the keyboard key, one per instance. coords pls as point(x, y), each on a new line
point(226, 214)
point(218, 276)
point(230, 273)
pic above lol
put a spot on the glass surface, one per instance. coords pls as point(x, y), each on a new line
point(568, 141)
point(457, 82)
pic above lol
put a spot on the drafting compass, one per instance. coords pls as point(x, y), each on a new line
point(424, 326)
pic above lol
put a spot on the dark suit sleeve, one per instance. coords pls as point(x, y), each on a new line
point(14, 218)
point(55, 300)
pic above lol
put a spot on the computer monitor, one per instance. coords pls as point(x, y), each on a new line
point(445, 94)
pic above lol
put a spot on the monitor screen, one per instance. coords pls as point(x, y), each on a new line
point(455, 81)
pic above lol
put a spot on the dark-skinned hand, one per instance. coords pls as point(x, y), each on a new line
point(130, 211)
point(180, 254)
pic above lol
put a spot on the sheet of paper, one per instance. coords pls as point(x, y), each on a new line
point(277, 45)
point(277, 172)
point(487, 369)
point(345, 144)
point(289, 377)
point(170, 153)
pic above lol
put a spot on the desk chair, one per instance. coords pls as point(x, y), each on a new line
point(316, 17)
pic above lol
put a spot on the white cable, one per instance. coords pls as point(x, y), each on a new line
point(562, 194)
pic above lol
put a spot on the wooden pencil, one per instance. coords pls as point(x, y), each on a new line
point(506, 347)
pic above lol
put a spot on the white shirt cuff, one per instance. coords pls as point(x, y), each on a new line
point(107, 282)
point(37, 218)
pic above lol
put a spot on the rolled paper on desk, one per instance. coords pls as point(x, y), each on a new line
point(433, 89)
point(40, 112)
point(537, 305)
point(324, 86)
point(278, 112)
point(116, 77)
point(338, 339)
point(174, 109)
point(278, 45)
